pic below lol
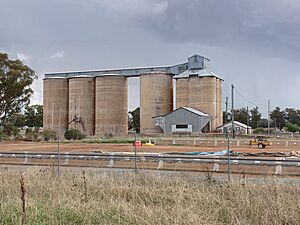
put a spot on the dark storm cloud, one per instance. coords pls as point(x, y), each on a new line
point(253, 41)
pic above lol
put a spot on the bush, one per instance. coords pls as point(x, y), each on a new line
point(292, 127)
point(74, 134)
point(259, 130)
point(49, 135)
point(108, 135)
point(31, 135)
point(2, 136)
point(10, 129)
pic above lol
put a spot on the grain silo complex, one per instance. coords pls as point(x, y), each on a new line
point(96, 102)
point(201, 89)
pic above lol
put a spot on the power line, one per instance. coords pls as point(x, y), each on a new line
point(247, 100)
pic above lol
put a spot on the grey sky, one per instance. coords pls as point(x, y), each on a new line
point(253, 44)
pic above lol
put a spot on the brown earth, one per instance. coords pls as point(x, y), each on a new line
point(86, 147)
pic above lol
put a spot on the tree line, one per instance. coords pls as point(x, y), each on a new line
point(288, 118)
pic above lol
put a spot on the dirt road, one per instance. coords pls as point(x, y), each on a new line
point(84, 147)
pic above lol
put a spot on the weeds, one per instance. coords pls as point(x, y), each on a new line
point(148, 198)
point(23, 192)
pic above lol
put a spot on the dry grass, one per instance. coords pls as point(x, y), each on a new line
point(122, 198)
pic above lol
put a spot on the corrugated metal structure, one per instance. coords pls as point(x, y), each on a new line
point(183, 120)
point(201, 89)
point(55, 101)
point(82, 104)
point(96, 102)
point(156, 99)
point(111, 105)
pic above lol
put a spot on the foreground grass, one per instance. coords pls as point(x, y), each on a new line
point(111, 198)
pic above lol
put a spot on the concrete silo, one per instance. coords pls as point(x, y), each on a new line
point(156, 96)
point(203, 93)
point(82, 104)
point(111, 105)
point(55, 101)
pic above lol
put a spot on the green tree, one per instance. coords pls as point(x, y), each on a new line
point(18, 119)
point(292, 127)
point(135, 114)
point(255, 117)
point(277, 115)
point(34, 116)
point(241, 115)
point(15, 90)
point(292, 116)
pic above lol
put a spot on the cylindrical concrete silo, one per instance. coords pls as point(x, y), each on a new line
point(203, 96)
point(182, 92)
point(55, 101)
point(156, 98)
point(82, 104)
point(111, 105)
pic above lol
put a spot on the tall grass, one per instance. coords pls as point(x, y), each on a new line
point(121, 198)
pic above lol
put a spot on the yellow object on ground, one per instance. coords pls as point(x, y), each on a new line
point(149, 143)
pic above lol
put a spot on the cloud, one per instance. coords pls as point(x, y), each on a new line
point(58, 54)
point(250, 42)
point(23, 57)
point(133, 7)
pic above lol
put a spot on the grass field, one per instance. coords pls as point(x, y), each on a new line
point(122, 198)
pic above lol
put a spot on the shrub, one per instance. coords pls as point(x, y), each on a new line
point(2, 136)
point(108, 135)
point(31, 135)
point(74, 134)
point(259, 130)
point(49, 135)
point(292, 127)
point(10, 129)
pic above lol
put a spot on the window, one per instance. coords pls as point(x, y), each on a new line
point(181, 126)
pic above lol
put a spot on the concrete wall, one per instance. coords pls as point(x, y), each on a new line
point(202, 93)
point(156, 98)
point(82, 104)
point(55, 101)
point(111, 105)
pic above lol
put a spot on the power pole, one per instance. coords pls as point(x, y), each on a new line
point(247, 120)
point(268, 117)
point(226, 116)
point(232, 111)
point(58, 145)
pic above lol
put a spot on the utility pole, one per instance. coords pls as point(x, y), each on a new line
point(232, 111)
point(58, 145)
point(268, 117)
point(226, 116)
point(135, 155)
point(247, 120)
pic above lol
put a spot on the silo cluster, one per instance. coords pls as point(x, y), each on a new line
point(93, 105)
point(96, 102)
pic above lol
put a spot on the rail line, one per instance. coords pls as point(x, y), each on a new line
point(276, 166)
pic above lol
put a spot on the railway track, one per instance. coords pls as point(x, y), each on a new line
point(247, 165)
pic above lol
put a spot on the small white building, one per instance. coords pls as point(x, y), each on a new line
point(239, 127)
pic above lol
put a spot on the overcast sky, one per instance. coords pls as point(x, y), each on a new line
point(253, 44)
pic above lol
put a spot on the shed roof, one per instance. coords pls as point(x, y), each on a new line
point(236, 123)
point(192, 110)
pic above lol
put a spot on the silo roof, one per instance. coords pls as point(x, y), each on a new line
point(205, 72)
